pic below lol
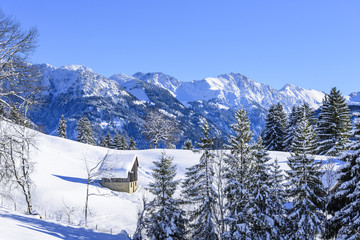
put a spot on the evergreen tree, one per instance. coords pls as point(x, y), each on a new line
point(132, 144)
point(262, 205)
point(107, 141)
point(163, 217)
point(333, 125)
point(62, 127)
point(278, 199)
point(305, 187)
point(236, 174)
point(345, 202)
point(199, 190)
point(123, 143)
point(290, 128)
point(84, 131)
point(292, 121)
point(274, 134)
point(188, 145)
point(116, 143)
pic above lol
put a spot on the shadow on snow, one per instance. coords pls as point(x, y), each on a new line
point(62, 231)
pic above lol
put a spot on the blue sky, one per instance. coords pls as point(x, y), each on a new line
point(313, 44)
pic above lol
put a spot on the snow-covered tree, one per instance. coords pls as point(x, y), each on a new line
point(345, 202)
point(292, 121)
point(188, 145)
point(236, 174)
point(334, 124)
point(200, 192)
point(164, 219)
point(84, 131)
point(16, 165)
point(278, 199)
point(261, 207)
point(62, 127)
point(274, 133)
point(160, 129)
point(305, 188)
point(107, 141)
point(123, 143)
point(19, 80)
point(132, 144)
point(290, 128)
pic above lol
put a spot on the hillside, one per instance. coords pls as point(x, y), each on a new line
point(60, 184)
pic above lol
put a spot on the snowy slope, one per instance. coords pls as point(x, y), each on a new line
point(15, 226)
point(60, 189)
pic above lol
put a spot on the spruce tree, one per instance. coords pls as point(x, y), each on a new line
point(274, 133)
point(292, 121)
point(123, 143)
point(163, 217)
point(278, 200)
point(107, 141)
point(261, 205)
point(132, 144)
point(333, 125)
point(188, 145)
point(345, 201)
point(199, 190)
point(290, 128)
point(84, 131)
point(116, 143)
point(305, 187)
point(236, 174)
point(62, 127)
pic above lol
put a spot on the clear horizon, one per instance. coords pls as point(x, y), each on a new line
point(310, 44)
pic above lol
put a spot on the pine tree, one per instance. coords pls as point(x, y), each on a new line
point(188, 145)
point(290, 128)
point(278, 200)
point(274, 133)
point(84, 131)
point(292, 121)
point(116, 143)
point(263, 221)
point(62, 127)
point(107, 141)
point(236, 174)
point(123, 143)
point(305, 187)
point(345, 202)
point(333, 125)
point(163, 217)
point(199, 190)
point(132, 144)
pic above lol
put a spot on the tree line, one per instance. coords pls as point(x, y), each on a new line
point(239, 194)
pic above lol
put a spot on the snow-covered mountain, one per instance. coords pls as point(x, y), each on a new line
point(159, 79)
point(121, 102)
point(234, 90)
point(354, 98)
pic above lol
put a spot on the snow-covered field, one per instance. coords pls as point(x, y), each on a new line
point(60, 191)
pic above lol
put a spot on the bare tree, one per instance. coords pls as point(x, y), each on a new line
point(92, 173)
point(159, 129)
point(19, 80)
point(16, 165)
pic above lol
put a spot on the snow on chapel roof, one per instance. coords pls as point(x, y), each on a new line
point(117, 165)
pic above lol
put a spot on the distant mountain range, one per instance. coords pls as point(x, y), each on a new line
point(121, 102)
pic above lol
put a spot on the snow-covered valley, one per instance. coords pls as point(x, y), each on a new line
point(60, 189)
